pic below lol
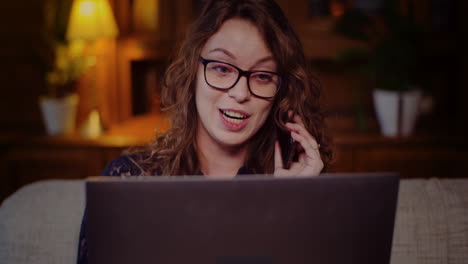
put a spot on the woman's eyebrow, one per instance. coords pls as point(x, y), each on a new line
point(260, 61)
point(229, 54)
point(232, 56)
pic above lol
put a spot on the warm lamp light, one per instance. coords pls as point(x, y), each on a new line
point(91, 19)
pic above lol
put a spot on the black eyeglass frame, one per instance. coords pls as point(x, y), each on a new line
point(241, 73)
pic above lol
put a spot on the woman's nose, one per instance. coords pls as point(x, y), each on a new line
point(240, 92)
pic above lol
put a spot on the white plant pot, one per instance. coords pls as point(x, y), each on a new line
point(397, 118)
point(59, 114)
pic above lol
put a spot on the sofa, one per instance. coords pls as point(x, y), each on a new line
point(40, 222)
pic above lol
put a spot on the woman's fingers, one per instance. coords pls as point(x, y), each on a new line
point(298, 120)
point(301, 128)
point(309, 139)
point(309, 150)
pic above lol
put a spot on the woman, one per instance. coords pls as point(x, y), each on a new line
point(239, 75)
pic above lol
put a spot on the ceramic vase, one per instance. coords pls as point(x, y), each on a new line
point(59, 114)
point(397, 112)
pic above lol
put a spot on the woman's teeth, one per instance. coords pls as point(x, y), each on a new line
point(234, 117)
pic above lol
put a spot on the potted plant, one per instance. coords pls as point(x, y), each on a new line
point(63, 65)
point(60, 104)
point(390, 60)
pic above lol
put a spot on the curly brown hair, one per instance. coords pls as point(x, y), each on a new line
point(175, 152)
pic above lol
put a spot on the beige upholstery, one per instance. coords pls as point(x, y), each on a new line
point(432, 222)
point(40, 222)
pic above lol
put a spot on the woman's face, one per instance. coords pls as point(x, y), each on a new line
point(229, 118)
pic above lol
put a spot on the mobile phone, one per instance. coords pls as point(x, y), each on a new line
point(288, 147)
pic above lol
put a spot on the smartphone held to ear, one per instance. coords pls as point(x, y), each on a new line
point(288, 147)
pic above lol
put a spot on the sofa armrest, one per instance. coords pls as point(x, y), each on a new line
point(40, 223)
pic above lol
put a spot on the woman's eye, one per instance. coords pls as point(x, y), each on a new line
point(221, 68)
point(264, 77)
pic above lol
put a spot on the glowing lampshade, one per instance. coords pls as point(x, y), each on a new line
point(91, 19)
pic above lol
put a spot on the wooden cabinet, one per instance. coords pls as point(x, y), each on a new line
point(28, 159)
point(413, 157)
point(30, 164)
point(411, 162)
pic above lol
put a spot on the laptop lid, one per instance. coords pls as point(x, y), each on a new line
point(333, 218)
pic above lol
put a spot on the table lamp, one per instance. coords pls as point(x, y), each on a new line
point(90, 20)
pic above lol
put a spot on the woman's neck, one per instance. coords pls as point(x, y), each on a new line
point(218, 161)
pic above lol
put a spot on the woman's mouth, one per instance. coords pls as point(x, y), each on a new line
point(234, 120)
point(234, 117)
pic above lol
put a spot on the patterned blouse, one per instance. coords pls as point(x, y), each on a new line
point(125, 165)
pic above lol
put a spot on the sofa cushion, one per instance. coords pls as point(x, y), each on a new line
point(456, 200)
point(40, 223)
point(431, 223)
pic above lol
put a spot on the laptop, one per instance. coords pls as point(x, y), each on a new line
point(332, 218)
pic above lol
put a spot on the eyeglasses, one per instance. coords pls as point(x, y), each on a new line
point(224, 76)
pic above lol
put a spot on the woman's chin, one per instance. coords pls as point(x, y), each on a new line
point(230, 141)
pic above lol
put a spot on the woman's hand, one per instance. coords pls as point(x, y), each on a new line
point(309, 163)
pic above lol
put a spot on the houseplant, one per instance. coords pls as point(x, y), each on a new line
point(59, 106)
point(63, 66)
point(390, 60)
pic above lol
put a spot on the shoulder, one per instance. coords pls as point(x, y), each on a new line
point(126, 165)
